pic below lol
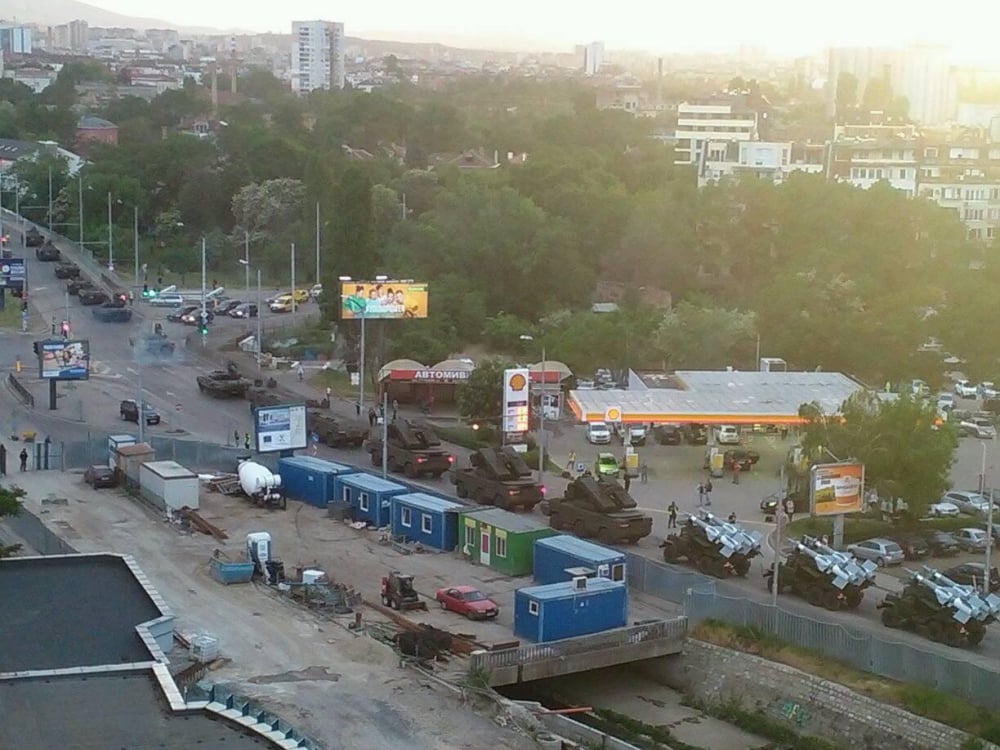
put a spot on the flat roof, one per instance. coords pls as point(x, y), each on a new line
point(169, 470)
point(565, 589)
point(372, 483)
point(580, 547)
point(428, 502)
point(718, 397)
point(316, 464)
point(109, 710)
point(505, 519)
point(71, 611)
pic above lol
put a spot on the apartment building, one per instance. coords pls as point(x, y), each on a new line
point(772, 161)
point(317, 56)
point(717, 122)
point(74, 36)
point(593, 58)
point(866, 154)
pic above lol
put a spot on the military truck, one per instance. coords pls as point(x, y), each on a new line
point(600, 508)
point(336, 432)
point(500, 477)
point(413, 448)
point(226, 383)
point(109, 312)
point(717, 548)
point(823, 576)
point(937, 608)
point(155, 344)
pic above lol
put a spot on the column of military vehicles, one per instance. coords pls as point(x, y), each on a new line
point(718, 548)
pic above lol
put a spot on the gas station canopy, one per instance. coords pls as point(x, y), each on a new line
point(716, 397)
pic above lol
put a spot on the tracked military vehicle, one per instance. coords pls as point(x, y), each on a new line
point(717, 548)
point(413, 449)
point(934, 606)
point(500, 477)
point(823, 576)
point(154, 344)
point(336, 432)
point(599, 508)
point(226, 383)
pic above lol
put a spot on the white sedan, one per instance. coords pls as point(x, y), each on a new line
point(965, 389)
point(942, 510)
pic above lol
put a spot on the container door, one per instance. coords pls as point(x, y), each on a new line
point(484, 545)
point(618, 572)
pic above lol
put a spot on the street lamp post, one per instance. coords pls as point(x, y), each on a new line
point(989, 530)
point(111, 246)
point(79, 198)
point(317, 242)
point(135, 240)
point(50, 200)
point(295, 303)
point(246, 263)
point(204, 309)
point(246, 266)
point(541, 415)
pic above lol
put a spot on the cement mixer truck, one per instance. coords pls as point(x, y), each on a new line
point(261, 485)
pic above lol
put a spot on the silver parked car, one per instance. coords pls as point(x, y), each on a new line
point(879, 550)
point(973, 540)
point(970, 503)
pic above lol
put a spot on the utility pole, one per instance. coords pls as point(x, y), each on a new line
point(295, 303)
point(385, 434)
point(204, 309)
point(135, 236)
point(779, 517)
point(260, 334)
point(79, 198)
point(138, 395)
point(246, 267)
point(111, 244)
point(541, 424)
point(50, 199)
point(317, 242)
point(361, 364)
point(989, 530)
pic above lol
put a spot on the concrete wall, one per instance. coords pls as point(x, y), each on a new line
point(37, 535)
point(809, 704)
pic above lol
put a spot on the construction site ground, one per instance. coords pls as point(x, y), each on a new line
point(345, 690)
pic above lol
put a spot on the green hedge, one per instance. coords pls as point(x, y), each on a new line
point(856, 529)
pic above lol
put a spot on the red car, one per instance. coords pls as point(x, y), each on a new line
point(468, 601)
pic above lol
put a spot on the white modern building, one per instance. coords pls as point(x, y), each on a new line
point(762, 160)
point(317, 56)
point(698, 124)
point(593, 58)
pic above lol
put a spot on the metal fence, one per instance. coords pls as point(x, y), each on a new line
point(862, 650)
point(512, 657)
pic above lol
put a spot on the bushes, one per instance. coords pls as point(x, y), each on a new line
point(856, 529)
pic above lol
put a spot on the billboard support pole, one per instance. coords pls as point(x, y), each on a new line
point(52, 394)
point(838, 531)
point(780, 518)
point(385, 434)
point(361, 367)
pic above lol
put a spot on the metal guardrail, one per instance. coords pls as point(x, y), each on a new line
point(22, 393)
point(628, 636)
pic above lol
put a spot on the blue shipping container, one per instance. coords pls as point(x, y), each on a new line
point(562, 610)
point(309, 479)
point(560, 558)
point(423, 518)
point(369, 497)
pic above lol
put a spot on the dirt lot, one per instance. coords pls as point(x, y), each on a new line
point(343, 689)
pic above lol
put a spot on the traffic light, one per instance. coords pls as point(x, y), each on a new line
point(145, 291)
point(204, 323)
point(65, 329)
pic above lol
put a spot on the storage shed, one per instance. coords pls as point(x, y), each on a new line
point(499, 539)
point(563, 557)
point(432, 521)
point(114, 443)
point(129, 458)
point(310, 480)
point(569, 609)
point(368, 496)
point(168, 485)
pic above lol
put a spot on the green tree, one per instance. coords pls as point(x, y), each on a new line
point(10, 505)
point(695, 337)
point(271, 212)
point(481, 396)
point(905, 452)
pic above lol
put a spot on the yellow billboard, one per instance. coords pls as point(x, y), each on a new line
point(383, 299)
point(837, 488)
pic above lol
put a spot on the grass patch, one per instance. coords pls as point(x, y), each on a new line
point(10, 316)
point(633, 731)
point(917, 699)
point(338, 382)
point(757, 722)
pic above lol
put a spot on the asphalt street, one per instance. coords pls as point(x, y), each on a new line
point(170, 386)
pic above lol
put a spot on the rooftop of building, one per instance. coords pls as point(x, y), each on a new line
point(505, 520)
point(90, 122)
point(107, 710)
point(72, 611)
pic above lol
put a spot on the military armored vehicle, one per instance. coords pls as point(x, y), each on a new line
point(48, 252)
point(600, 508)
point(500, 477)
point(108, 312)
point(66, 270)
point(717, 548)
point(823, 576)
point(226, 383)
point(155, 344)
point(336, 431)
point(413, 448)
point(937, 608)
point(74, 286)
point(33, 238)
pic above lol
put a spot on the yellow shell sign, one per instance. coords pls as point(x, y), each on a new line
point(517, 382)
point(612, 414)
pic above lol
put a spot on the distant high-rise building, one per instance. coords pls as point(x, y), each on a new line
point(317, 56)
point(921, 73)
point(593, 58)
point(15, 40)
point(74, 35)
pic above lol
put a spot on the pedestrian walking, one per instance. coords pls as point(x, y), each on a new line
point(628, 481)
point(784, 433)
point(736, 473)
point(701, 494)
point(24, 459)
point(3, 460)
point(644, 473)
point(395, 409)
point(300, 371)
point(672, 515)
point(357, 409)
point(371, 417)
point(708, 491)
point(732, 517)
point(790, 509)
point(329, 393)
point(246, 441)
point(236, 436)
point(131, 298)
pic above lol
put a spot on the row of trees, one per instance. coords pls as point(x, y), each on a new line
point(820, 273)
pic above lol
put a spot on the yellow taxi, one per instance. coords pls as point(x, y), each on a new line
point(284, 303)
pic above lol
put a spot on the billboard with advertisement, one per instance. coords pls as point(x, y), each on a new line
point(383, 300)
point(835, 489)
point(12, 273)
point(280, 428)
point(516, 400)
point(64, 360)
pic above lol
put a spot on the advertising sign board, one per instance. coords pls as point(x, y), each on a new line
point(515, 405)
point(836, 489)
point(280, 428)
point(64, 360)
point(376, 300)
point(12, 273)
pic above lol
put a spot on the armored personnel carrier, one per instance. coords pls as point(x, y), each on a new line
point(500, 477)
point(600, 508)
point(336, 432)
point(226, 383)
point(413, 448)
point(934, 606)
point(155, 344)
point(823, 576)
point(717, 548)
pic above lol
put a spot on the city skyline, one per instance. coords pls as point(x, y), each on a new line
point(779, 26)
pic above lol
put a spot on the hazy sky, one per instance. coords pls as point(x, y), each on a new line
point(783, 26)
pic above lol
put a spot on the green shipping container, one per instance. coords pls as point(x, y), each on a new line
point(499, 539)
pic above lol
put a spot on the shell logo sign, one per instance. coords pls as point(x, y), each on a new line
point(613, 414)
point(517, 382)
